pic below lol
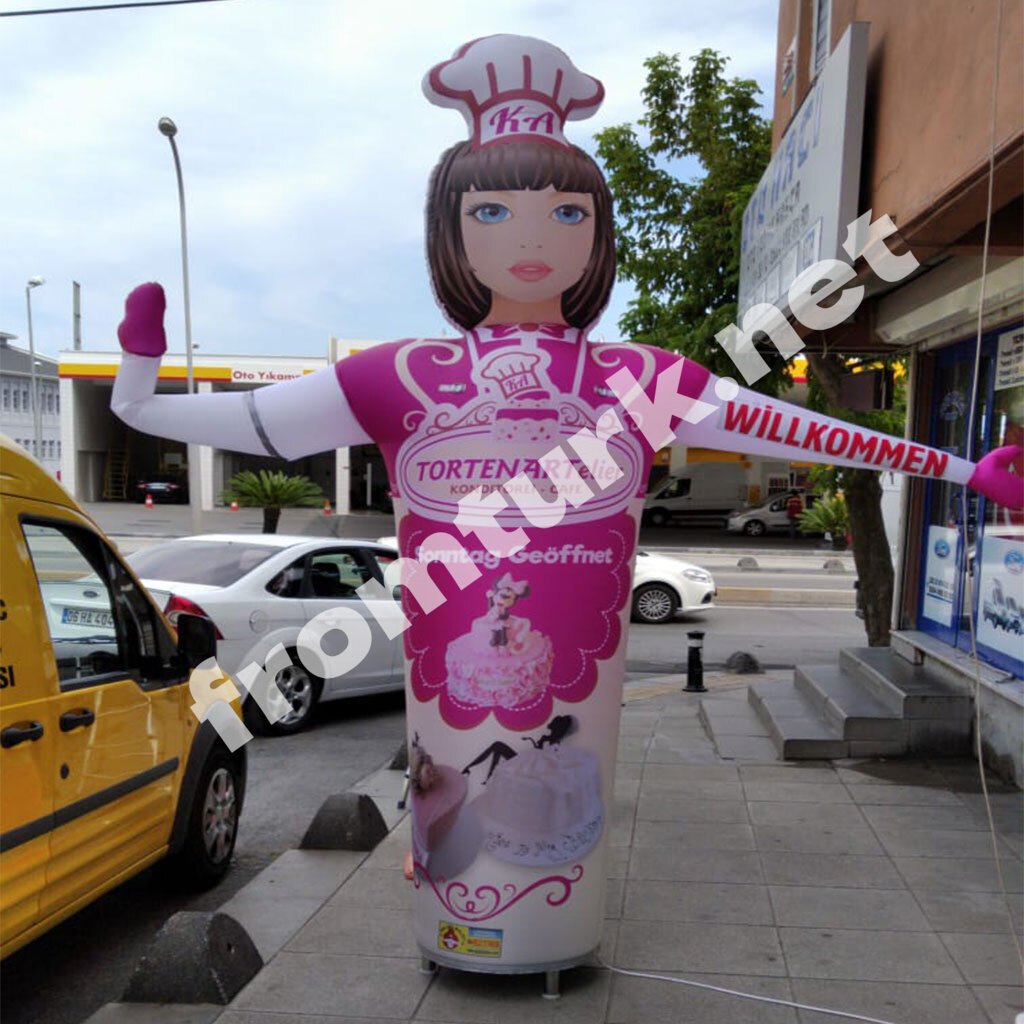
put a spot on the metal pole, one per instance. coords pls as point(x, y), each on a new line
point(37, 431)
point(169, 129)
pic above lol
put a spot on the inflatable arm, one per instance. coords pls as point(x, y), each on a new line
point(292, 419)
point(755, 424)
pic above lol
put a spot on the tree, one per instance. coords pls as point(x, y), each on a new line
point(271, 492)
point(679, 243)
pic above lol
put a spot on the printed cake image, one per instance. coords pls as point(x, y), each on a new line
point(542, 806)
point(438, 792)
point(501, 661)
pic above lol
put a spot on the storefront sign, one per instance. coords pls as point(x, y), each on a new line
point(1010, 360)
point(808, 195)
point(940, 575)
point(1001, 596)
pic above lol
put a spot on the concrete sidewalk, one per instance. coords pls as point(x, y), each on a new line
point(862, 886)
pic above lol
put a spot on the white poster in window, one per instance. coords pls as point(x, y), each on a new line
point(1010, 360)
point(1001, 596)
point(940, 569)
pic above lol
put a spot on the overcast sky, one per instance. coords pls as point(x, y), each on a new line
point(306, 144)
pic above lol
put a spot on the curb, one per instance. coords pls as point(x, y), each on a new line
point(786, 598)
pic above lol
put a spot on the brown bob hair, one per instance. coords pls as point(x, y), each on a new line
point(510, 167)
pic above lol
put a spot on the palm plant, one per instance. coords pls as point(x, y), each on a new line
point(271, 492)
point(827, 515)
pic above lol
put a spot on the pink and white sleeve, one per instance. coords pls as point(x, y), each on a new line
point(289, 420)
point(735, 419)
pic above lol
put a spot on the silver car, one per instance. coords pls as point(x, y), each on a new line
point(770, 515)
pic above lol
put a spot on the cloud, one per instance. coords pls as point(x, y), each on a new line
point(306, 145)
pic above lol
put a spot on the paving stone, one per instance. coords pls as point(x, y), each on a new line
point(350, 929)
point(934, 842)
point(811, 792)
point(922, 817)
point(1001, 1002)
point(632, 748)
point(647, 1001)
point(808, 838)
point(618, 861)
point(874, 772)
point(747, 748)
point(895, 793)
point(971, 911)
point(820, 774)
point(356, 986)
point(667, 807)
point(819, 869)
point(861, 955)
point(984, 959)
point(956, 874)
point(721, 903)
point(688, 835)
point(695, 865)
point(908, 1004)
point(816, 906)
point(615, 890)
point(385, 888)
point(694, 772)
point(694, 789)
point(800, 812)
point(675, 946)
point(512, 999)
point(628, 770)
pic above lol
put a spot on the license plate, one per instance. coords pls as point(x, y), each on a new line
point(86, 617)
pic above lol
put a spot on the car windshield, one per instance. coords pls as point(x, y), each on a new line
point(216, 563)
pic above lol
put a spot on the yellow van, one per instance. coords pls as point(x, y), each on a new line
point(104, 769)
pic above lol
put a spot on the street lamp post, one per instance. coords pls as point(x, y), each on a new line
point(169, 129)
point(37, 431)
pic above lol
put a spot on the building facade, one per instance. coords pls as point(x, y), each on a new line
point(18, 386)
point(934, 138)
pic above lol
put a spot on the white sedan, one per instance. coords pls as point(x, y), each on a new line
point(662, 586)
point(260, 590)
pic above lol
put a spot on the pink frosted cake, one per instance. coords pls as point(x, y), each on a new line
point(501, 661)
point(542, 806)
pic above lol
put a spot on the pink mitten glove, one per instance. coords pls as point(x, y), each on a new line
point(142, 330)
point(992, 476)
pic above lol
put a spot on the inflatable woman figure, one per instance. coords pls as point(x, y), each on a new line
point(509, 451)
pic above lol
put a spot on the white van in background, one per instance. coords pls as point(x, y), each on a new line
point(706, 491)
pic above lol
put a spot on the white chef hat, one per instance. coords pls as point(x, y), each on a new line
point(510, 88)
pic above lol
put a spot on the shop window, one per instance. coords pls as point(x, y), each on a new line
point(16, 400)
point(6, 399)
point(822, 36)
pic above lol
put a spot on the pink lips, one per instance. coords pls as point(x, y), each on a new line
point(529, 270)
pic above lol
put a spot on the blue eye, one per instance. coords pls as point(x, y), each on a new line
point(490, 213)
point(569, 213)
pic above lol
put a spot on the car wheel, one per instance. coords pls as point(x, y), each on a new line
point(658, 517)
point(212, 825)
point(654, 603)
point(300, 689)
point(754, 528)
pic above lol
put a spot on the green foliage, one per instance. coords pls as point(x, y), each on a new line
point(827, 515)
point(679, 241)
point(271, 490)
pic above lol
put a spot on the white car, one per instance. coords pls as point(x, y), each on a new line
point(662, 585)
point(260, 590)
point(757, 520)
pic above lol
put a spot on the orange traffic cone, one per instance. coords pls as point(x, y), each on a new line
point(234, 506)
point(327, 507)
point(149, 501)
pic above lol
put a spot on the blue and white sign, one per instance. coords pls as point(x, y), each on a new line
point(940, 575)
point(807, 196)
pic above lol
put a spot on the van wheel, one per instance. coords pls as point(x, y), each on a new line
point(212, 825)
point(754, 528)
point(300, 689)
point(658, 517)
point(654, 603)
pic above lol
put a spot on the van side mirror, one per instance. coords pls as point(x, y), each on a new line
point(197, 639)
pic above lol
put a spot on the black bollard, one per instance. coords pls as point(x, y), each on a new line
point(695, 663)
